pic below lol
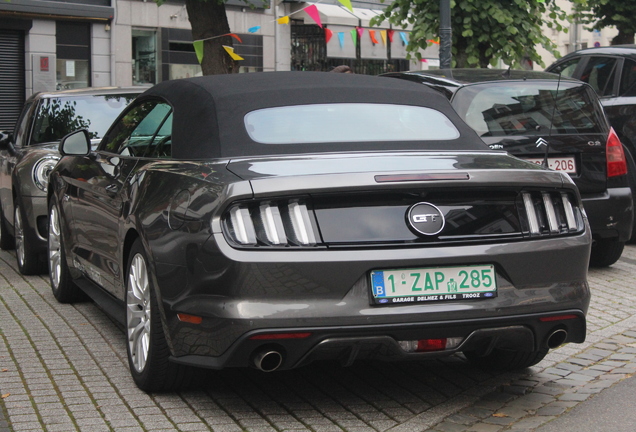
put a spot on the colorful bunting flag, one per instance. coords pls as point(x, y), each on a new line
point(372, 36)
point(403, 37)
point(312, 11)
point(232, 54)
point(254, 29)
point(328, 34)
point(283, 20)
point(354, 37)
point(383, 34)
point(390, 34)
point(347, 4)
point(341, 38)
point(198, 49)
point(236, 37)
point(360, 31)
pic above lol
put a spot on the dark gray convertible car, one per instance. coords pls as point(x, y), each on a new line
point(275, 219)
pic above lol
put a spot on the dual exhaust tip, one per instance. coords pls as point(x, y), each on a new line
point(557, 338)
point(268, 360)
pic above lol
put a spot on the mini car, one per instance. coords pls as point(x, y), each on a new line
point(270, 220)
point(611, 71)
point(554, 120)
point(28, 154)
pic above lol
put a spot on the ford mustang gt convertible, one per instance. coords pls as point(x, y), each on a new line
point(275, 219)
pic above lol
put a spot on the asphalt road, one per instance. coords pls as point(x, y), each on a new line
point(64, 368)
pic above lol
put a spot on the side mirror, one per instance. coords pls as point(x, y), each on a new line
point(76, 143)
point(5, 138)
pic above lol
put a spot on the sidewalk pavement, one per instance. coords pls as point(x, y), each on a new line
point(64, 368)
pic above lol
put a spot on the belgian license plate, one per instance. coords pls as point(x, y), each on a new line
point(433, 284)
point(565, 164)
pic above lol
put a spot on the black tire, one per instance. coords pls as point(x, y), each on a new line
point(62, 285)
point(148, 358)
point(606, 252)
point(631, 177)
point(506, 360)
point(29, 261)
point(7, 242)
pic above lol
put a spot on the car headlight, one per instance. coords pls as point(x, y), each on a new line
point(41, 171)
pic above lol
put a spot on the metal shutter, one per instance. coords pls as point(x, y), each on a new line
point(11, 77)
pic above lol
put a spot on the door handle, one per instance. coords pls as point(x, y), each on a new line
point(112, 189)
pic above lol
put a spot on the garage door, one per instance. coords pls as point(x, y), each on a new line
point(11, 77)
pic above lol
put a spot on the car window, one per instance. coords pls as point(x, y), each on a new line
point(22, 125)
point(528, 108)
point(566, 68)
point(142, 125)
point(348, 122)
point(599, 73)
point(628, 78)
point(58, 116)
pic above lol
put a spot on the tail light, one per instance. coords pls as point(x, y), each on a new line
point(616, 162)
point(285, 223)
point(551, 213)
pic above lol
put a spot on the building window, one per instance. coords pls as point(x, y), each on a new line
point(178, 59)
point(144, 56)
point(73, 47)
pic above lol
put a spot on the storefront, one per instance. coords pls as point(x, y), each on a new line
point(346, 37)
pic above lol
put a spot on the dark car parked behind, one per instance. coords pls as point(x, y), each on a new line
point(611, 71)
point(528, 113)
point(28, 154)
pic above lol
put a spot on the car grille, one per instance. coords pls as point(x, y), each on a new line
point(380, 219)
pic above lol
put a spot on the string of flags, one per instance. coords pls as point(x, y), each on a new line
point(312, 11)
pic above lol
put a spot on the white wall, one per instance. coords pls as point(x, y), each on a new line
point(575, 39)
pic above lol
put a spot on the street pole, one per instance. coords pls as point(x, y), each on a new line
point(445, 35)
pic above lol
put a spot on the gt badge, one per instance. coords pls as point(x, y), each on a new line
point(426, 219)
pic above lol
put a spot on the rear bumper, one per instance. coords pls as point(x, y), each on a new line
point(610, 214)
point(525, 333)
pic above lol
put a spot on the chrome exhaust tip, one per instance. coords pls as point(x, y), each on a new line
point(268, 360)
point(557, 338)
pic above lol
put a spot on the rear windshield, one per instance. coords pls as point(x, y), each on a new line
point(57, 117)
point(528, 108)
point(348, 122)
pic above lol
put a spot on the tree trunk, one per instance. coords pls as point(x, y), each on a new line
point(208, 20)
point(623, 37)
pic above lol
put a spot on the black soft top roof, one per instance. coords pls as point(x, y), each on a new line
point(209, 111)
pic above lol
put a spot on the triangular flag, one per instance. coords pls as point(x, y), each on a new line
point(341, 38)
point(403, 37)
point(236, 37)
point(198, 49)
point(283, 20)
point(390, 34)
point(253, 29)
point(360, 31)
point(347, 4)
point(383, 34)
point(232, 54)
point(372, 36)
point(312, 11)
point(328, 34)
point(354, 37)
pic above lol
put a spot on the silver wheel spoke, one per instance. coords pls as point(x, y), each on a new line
point(138, 312)
point(55, 258)
point(19, 236)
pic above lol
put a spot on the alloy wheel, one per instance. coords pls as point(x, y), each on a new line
point(138, 312)
point(55, 263)
point(19, 236)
